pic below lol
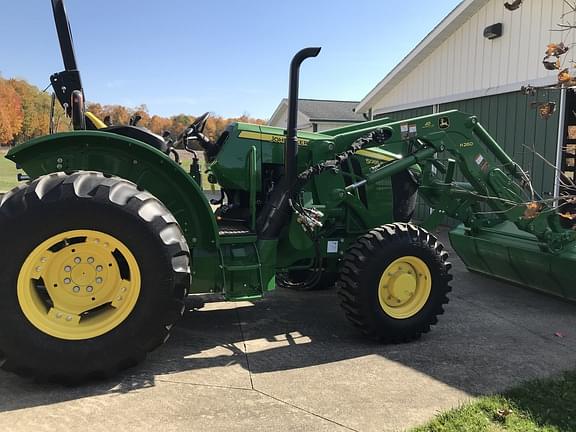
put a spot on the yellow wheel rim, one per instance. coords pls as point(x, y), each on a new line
point(79, 285)
point(405, 287)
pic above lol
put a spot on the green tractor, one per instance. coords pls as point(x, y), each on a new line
point(101, 246)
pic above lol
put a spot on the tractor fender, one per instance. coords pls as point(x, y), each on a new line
point(133, 160)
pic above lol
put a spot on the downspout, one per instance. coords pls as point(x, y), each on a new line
point(560, 143)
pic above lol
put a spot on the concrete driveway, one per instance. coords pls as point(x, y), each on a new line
point(292, 363)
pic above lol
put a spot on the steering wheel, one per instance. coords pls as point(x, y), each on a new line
point(199, 124)
point(195, 131)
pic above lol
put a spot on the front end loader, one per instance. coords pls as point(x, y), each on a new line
point(104, 242)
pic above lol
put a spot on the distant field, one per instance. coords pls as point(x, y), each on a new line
point(7, 173)
point(186, 160)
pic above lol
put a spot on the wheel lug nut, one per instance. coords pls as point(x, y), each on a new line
point(89, 288)
point(90, 260)
point(99, 268)
point(77, 260)
point(76, 289)
point(68, 318)
point(99, 280)
point(67, 281)
point(67, 269)
point(43, 259)
point(58, 315)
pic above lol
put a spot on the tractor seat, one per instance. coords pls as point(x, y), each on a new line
point(140, 134)
point(135, 132)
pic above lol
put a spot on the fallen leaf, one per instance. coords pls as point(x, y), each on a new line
point(528, 90)
point(546, 110)
point(513, 6)
point(556, 50)
point(502, 413)
point(532, 210)
point(551, 63)
point(564, 76)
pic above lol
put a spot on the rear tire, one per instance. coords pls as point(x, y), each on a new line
point(131, 259)
point(394, 282)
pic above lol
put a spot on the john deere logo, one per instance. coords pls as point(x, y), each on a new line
point(443, 122)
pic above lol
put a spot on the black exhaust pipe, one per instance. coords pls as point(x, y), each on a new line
point(274, 215)
point(291, 147)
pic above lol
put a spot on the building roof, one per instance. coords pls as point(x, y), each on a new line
point(433, 40)
point(328, 109)
point(322, 110)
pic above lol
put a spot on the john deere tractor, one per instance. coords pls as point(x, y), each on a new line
point(101, 246)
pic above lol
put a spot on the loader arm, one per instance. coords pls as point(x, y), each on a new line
point(496, 188)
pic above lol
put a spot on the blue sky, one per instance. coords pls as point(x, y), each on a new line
point(228, 57)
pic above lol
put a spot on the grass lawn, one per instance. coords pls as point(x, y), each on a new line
point(7, 173)
point(537, 406)
point(206, 185)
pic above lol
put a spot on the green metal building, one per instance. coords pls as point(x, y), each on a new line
point(477, 60)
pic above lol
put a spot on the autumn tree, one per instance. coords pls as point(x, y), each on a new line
point(159, 124)
point(215, 126)
point(119, 115)
point(556, 58)
point(11, 114)
point(25, 114)
point(96, 109)
point(179, 123)
point(36, 108)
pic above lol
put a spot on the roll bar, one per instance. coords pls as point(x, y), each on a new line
point(64, 35)
point(67, 83)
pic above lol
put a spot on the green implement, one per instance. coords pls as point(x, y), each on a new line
point(516, 256)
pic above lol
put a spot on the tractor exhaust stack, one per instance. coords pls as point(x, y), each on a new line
point(274, 215)
point(291, 147)
point(276, 211)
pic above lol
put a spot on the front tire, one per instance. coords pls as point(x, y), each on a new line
point(94, 273)
point(394, 282)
